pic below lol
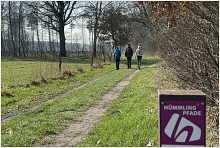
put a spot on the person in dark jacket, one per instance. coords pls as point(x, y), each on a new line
point(129, 54)
point(117, 56)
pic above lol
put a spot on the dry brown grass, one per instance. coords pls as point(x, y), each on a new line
point(79, 70)
point(91, 68)
point(212, 126)
point(98, 64)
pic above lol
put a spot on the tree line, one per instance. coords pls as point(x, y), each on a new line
point(18, 17)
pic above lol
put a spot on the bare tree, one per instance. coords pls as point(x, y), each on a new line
point(60, 14)
point(93, 12)
point(3, 28)
point(188, 41)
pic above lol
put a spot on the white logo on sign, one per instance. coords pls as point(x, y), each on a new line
point(196, 134)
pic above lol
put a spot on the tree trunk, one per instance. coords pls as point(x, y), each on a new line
point(61, 29)
point(23, 42)
point(2, 44)
point(11, 31)
point(95, 38)
point(42, 42)
point(57, 35)
point(53, 44)
point(32, 42)
point(19, 30)
point(71, 40)
point(38, 42)
point(9, 42)
point(83, 38)
point(3, 41)
point(60, 62)
point(50, 44)
point(62, 43)
point(92, 61)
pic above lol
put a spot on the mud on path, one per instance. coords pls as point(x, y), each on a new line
point(75, 131)
point(8, 116)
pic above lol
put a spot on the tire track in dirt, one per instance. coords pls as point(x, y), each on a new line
point(75, 131)
point(10, 116)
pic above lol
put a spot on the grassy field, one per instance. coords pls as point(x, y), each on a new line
point(19, 71)
point(132, 119)
point(49, 118)
point(29, 128)
point(18, 98)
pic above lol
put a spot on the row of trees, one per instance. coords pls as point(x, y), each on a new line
point(22, 16)
point(103, 21)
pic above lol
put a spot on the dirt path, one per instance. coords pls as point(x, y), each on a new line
point(8, 116)
point(75, 131)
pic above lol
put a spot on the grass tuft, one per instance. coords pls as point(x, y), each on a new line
point(79, 70)
point(67, 73)
point(91, 68)
point(11, 86)
point(35, 83)
point(6, 94)
point(98, 64)
point(44, 80)
point(27, 85)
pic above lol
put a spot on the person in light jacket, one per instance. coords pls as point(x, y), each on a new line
point(139, 54)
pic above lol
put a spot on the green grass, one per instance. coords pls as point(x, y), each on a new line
point(18, 71)
point(27, 97)
point(29, 128)
point(136, 123)
point(132, 119)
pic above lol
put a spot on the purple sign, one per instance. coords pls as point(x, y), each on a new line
point(182, 121)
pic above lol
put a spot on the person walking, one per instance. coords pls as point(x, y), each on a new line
point(129, 54)
point(139, 54)
point(117, 56)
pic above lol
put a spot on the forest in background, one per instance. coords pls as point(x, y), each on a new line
point(184, 34)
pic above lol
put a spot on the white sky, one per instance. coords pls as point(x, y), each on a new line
point(76, 33)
